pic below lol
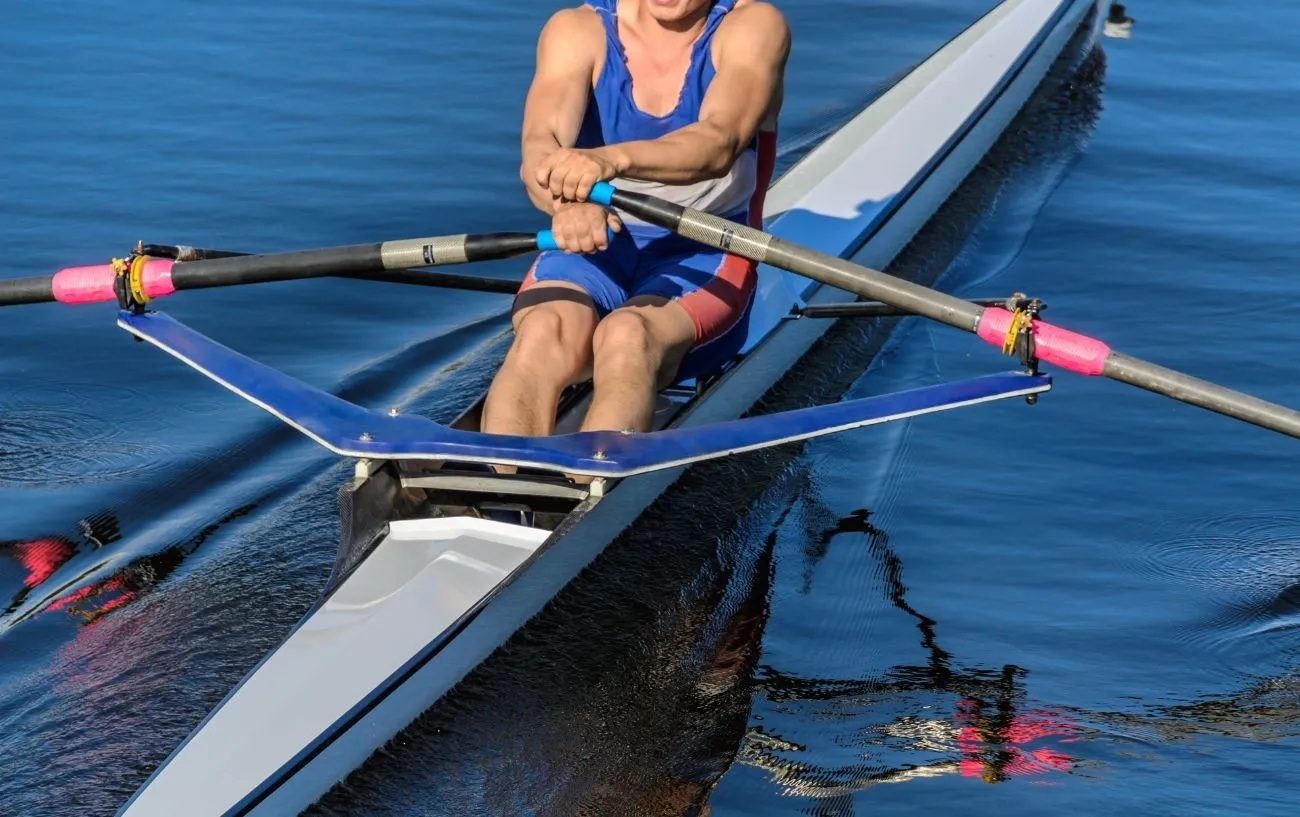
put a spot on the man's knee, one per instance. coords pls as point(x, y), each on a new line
point(546, 349)
point(625, 333)
point(629, 337)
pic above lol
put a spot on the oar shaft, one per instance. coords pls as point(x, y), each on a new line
point(768, 249)
point(1052, 344)
point(869, 309)
point(158, 277)
point(1197, 392)
point(35, 289)
point(413, 277)
point(351, 261)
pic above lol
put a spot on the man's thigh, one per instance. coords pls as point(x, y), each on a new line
point(713, 292)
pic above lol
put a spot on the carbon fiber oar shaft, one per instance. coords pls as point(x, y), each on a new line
point(154, 277)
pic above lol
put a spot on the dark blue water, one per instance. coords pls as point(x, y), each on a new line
point(1090, 605)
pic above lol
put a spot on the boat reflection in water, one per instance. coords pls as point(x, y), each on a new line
point(86, 596)
point(992, 732)
point(39, 559)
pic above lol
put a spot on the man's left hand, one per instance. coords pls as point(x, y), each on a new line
point(569, 173)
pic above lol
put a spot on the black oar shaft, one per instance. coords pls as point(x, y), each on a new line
point(36, 289)
point(159, 270)
point(415, 277)
point(1052, 344)
point(352, 261)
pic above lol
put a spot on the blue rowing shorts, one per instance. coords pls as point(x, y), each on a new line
point(715, 288)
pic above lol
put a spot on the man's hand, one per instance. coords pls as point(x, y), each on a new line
point(580, 227)
point(569, 173)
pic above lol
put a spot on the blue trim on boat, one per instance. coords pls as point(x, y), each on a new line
point(354, 431)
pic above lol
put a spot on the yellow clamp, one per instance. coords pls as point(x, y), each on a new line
point(137, 279)
point(1020, 320)
point(133, 271)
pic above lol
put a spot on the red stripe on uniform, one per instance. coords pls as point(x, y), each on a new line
point(715, 307)
point(528, 281)
point(529, 278)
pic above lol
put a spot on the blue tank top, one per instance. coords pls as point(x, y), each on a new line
point(612, 117)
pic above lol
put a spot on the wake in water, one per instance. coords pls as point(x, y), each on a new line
point(1245, 572)
point(1031, 161)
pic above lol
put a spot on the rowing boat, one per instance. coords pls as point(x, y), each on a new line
point(442, 559)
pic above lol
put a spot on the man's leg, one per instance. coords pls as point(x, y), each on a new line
point(554, 322)
point(637, 349)
point(687, 300)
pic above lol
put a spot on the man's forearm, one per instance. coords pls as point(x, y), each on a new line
point(692, 154)
point(535, 150)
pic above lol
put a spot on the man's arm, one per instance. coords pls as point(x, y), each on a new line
point(751, 46)
point(557, 98)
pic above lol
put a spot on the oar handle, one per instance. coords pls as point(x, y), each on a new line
point(546, 239)
point(602, 193)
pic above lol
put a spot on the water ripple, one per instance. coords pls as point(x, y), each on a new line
point(71, 433)
point(1256, 554)
point(1248, 564)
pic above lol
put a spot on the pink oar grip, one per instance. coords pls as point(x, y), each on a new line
point(1052, 344)
point(83, 285)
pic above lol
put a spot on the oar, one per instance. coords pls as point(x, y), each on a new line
point(151, 277)
point(867, 309)
point(997, 326)
point(416, 277)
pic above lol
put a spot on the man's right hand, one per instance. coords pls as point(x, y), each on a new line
point(580, 227)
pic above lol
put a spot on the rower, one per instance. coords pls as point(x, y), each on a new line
point(677, 98)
